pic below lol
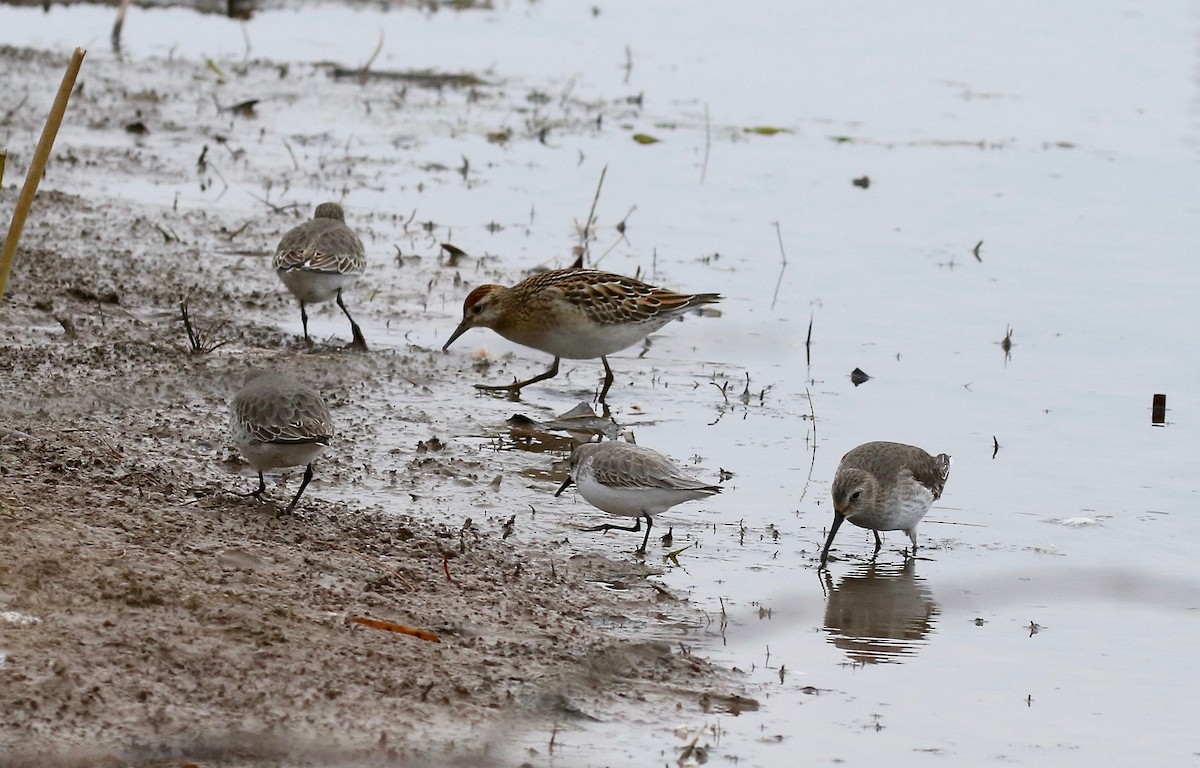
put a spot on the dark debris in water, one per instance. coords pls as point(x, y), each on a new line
point(421, 78)
point(581, 423)
point(1158, 411)
point(733, 703)
point(859, 376)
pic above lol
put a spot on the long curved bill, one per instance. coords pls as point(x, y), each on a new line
point(838, 517)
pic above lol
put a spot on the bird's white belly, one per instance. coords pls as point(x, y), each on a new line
point(315, 287)
point(901, 511)
point(586, 341)
point(266, 456)
point(630, 502)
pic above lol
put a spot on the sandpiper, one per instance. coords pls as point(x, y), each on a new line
point(320, 258)
point(277, 422)
point(578, 314)
point(886, 487)
point(625, 479)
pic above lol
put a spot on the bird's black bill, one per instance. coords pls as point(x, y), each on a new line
point(833, 529)
point(566, 484)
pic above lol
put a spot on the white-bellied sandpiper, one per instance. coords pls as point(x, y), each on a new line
point(629, 480)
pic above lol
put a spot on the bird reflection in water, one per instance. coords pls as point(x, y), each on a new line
point(879, 613)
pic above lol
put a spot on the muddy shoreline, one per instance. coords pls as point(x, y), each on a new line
point(154, 614)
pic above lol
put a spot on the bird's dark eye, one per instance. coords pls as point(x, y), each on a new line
point(854, 496)
point(477, 308)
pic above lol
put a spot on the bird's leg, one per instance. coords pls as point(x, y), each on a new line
point(608, 379)
point(258, 492)
point(516, 386)
point(308, 476)
point(304, 322)
point(611, 527)
point(649, 524)
point(359, 343)
point(878, 545)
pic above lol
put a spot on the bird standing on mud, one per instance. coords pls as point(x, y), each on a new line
point(278, 422)
point(319, 259)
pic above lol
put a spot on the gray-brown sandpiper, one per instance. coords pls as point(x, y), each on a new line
point(625, 479)
point(319, 259)
point(886, 487)
point(278, 422)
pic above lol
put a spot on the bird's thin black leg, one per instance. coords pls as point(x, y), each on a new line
point(359, 342)
point(308, 476)
point(258, 492)
point(304, 322)
point(611, 527)
point(649, 525)
point(608, 378)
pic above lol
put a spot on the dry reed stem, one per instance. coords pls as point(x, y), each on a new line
point(37, 168)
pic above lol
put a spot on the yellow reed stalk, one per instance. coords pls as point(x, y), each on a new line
point(38, 167)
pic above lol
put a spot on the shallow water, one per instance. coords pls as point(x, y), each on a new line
point(1064, 138)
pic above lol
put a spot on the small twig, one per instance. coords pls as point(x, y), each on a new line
point(288, 147)
point(707, 144)
point(782, 265)
point(245, 42)
point(585, 236)
point(377, 562)
point(9, 114)
point(366, 68)
point(272, 206)
point(120, 22)
point(238, 231)
point(724, 390)
point(193, 342)
point(201, 341)
point(808, 344)
point(813, 464)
